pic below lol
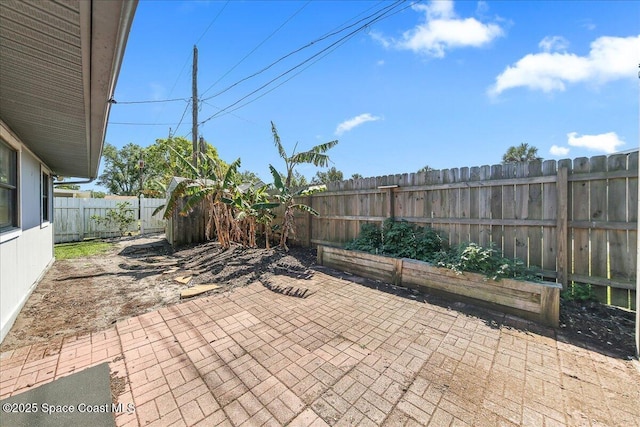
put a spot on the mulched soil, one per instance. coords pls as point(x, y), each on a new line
point(600, 327)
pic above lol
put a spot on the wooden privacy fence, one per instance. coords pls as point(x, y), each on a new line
point(576, 220)
point(72, 217)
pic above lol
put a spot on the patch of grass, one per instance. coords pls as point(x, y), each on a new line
point(81, 249)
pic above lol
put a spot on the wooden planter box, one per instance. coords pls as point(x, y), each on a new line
point(537, 301)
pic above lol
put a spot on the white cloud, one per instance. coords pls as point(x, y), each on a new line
point(442, 30)
point(554, 43)
point(610, 58)
point(380, 62)
point(559, 151)
point(605, 142)
point(347, 125)
point(380, 38)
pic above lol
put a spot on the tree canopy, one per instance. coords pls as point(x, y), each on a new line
point(331, 175)
point(521, 153)
point(160, 162)
point(121, 170)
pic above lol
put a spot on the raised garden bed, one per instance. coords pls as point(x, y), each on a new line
point(537, 301)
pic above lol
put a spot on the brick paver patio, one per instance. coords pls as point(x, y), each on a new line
point(345, 354)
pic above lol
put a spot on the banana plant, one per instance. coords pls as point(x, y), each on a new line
point(316, 156)
point(287, 198)
point(252, 207)
point(208, 184)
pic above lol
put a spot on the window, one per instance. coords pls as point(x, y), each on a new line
point(8, 187)
point(46, 200)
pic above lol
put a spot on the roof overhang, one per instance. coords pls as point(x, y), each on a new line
point(59, 62)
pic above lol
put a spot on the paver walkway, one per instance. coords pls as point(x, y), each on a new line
point(345, 354)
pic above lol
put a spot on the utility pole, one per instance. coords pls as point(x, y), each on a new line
point(194, 107)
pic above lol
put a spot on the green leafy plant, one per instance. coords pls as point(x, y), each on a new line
point(579, 292)
point(286, 197)
point(403, 240)
point(252, 207)
point(488, 261)
point(284, 183)
point(398, 239)
point(122, 217)
point(369, 239)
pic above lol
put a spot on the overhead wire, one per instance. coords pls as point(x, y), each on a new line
point(291, 77)
point(182, 118)
point(188, 100)
point(215, 18)
point(274, 32)
point(377, 16)
point(151, 101)
point(306, 46)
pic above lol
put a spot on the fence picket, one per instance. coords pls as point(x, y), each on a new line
point(73, 217)
point(514, 207)
point(598, 214)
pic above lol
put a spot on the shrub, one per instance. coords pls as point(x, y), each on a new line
point(403, 240)
point(398, 239)
point(488, 261)
point(369, 239)
point(122, 216)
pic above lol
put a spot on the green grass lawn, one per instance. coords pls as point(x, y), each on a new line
point(81, 249)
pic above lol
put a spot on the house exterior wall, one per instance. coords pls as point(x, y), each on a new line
point(27, 250)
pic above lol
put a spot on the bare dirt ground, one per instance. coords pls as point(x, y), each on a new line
point(83, 295)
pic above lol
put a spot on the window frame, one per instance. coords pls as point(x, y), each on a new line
point(46, 198)
point(12, 229)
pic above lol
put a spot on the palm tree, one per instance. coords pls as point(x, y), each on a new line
point(521, 153)
point(316, 156)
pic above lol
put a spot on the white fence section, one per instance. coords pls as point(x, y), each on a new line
point(73, 222)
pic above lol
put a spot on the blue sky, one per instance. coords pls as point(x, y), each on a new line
point(444, 84)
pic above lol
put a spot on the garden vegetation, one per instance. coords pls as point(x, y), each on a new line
point(401, 239)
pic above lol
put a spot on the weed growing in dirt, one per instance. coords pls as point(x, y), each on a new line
point(80, 249)
point(122, 217)
point(579, 292)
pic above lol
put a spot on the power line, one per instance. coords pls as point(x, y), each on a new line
point(234, 115)
point(280, 84)
point(258, 46)
point(142, 124)
point(381, 14)
point(215, 18)
point(182, 118)
point(321, 38)
point(150, 101)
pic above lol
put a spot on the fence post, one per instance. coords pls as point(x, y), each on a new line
point(140, 214)
point(390, 203)
point(309, 219)
point(81, 230)
point(562, 237)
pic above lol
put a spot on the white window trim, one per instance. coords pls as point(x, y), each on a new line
point(45, 171)
point(12, 141)
point(10, 234)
